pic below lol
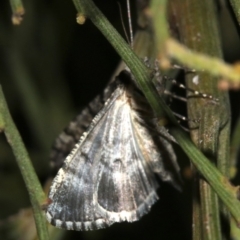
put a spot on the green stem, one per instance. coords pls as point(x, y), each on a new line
point(33, 185)
point(138, 68)
point(193, 59)
point(236, 8)
point(17, 11)
point(199, 61)
point(234, 149)
point(211, 135)
point(220, 184)
point(196, 209)
point(160, 25)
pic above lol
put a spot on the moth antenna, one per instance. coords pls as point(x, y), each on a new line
point(130, 23)
point(124, 29)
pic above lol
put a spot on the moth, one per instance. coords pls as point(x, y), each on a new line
point(109, 176)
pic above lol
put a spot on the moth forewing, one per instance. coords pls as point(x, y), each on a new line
point(70, 136)
point(154, 141)
point(109, 175)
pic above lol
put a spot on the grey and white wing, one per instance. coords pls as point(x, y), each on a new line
point(154, 142)
point(158, 151)
point(105, 179)
point(71, 134)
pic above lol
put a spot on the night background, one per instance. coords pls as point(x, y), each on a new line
point(50, 68)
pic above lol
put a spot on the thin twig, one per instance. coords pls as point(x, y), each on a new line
point(124, 28)
point(202, 62)
point(220, 184)
point(201, 34)
point(130, 23)
point(193, 59)
point(234, 149)
point(236, 9)
point(33, 185)
point(158, 10)
point(17, 11)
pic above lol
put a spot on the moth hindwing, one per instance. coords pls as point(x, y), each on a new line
point(109, 175)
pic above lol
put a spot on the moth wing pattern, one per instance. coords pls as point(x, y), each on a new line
point(109, 175)
point(105, 179)
point(67, 139)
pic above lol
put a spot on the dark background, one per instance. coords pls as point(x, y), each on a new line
point(50, 67)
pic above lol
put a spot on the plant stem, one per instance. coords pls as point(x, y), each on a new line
point(137, 66)
point(234, 148)
point(190, 57)
point(220, 184)
point(17, 11)
point(33, 185)
point(159, 14)
point(236, 8)
point(199, 61)
point(212, 134)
